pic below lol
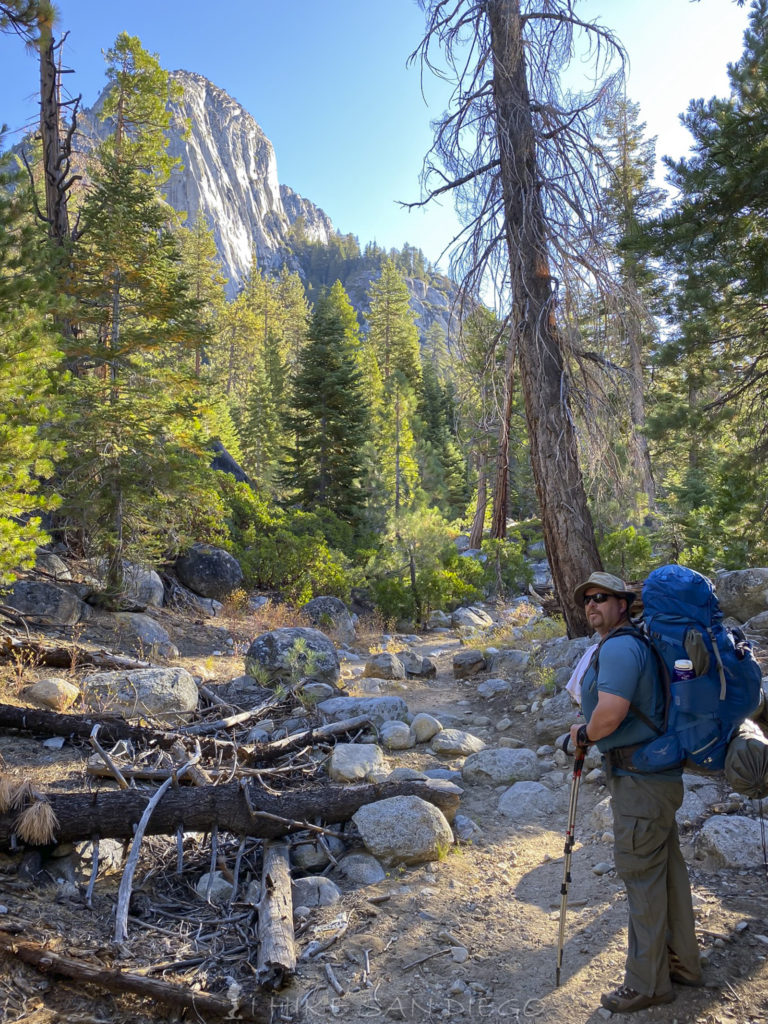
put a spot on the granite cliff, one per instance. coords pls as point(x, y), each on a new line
point(228, 175)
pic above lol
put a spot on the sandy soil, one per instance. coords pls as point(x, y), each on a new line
point(472, 937)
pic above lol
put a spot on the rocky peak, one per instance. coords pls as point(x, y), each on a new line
point(229, 175)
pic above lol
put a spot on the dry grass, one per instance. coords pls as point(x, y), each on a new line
point(37, 824)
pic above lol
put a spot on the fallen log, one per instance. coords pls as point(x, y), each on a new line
point(65, 656)
point(239, 807)
point(114, 980)
point(276, 958)
point(114, 728)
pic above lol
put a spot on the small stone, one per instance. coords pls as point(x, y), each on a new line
point(602, 868)
point(459, 954)
point(220, 887)
point(503, 724)
point(54, 743)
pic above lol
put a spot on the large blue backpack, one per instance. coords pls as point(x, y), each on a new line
point(682, 619)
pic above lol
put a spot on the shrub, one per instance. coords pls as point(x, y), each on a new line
point(627, 553)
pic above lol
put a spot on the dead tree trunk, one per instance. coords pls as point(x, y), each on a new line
point(238, 807)
point(277, 951)
point(566, 519)
point(501, 485)
point(478, 523)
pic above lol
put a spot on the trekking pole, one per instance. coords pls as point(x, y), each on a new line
point(578, 764)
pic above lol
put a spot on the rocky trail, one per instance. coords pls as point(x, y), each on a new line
point(471, 936)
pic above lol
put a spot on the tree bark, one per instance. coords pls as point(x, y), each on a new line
point(240, 807)
point(478, 523)
point(501, 486)
point(566, 519)
point(276, 960)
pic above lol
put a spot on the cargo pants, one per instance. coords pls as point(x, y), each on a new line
point(648, 860)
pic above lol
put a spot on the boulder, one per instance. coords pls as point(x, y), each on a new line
point(697, 800)
point(188, 599)
point(315, 891)
point(556, 716)
point(143, 585)
point(354, 762)
point(50, 562)
point(396, 736)
point(758, 624)
point(425, 727)
point(492, 687)
point(46, 603)
point(167, 694)
point(508, 662)
point(403, 830)
point(384, 666)
point(361, 869)
point(743, 593)
point(439, 620)
point(209, 571)
point(147, 631)
point(470, 619)
point(456, 743)
point(242, 692)
point(500, 766)
point(730, 842)
point(53, 693)
point(416, 665)
point(312, 855)
point(468, 663)
point(601, 818)
point(528, 801)
point(285, 655)
point(377, 709)
point(330, 613)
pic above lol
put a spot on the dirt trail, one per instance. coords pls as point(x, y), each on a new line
point(483, 921)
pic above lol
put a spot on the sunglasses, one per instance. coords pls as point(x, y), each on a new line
point(597, 598)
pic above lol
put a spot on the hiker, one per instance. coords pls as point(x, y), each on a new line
point(619, 690)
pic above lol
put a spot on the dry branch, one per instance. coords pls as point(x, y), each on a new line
point(235, 807)
point(180, 996)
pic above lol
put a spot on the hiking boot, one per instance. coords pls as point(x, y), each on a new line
point(627, 1000)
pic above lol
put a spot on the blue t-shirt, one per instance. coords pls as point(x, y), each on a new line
point(625, 668)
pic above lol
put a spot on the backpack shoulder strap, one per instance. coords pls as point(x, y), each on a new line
point(634, 631)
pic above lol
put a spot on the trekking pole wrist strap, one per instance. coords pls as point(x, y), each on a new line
point(582, 740)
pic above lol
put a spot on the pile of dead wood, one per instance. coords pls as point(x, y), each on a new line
point(244, 803)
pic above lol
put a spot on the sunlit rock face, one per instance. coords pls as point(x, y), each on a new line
point(229, 176)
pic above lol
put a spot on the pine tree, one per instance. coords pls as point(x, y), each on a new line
point(202, 265)
point(329, 421)
point(132, 405)
point(710, 419)
point(27, 354)
point(391, 326)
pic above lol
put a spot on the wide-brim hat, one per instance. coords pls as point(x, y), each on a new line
point(605, 581)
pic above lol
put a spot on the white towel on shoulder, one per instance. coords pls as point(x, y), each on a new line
point(573, 686)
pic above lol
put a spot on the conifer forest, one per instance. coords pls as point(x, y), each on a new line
point(600, 392)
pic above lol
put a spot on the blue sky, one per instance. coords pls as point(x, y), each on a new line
point(328, 83)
